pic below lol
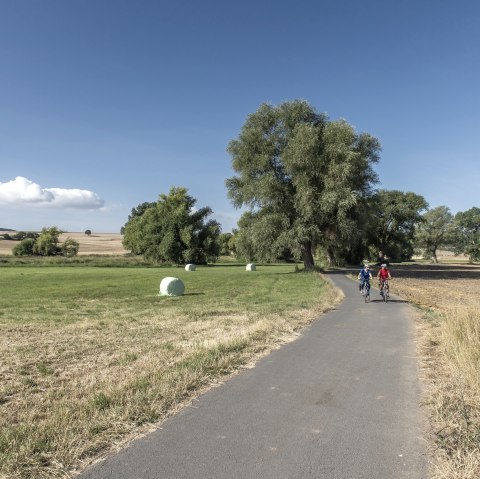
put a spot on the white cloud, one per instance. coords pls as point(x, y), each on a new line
point(22, 191)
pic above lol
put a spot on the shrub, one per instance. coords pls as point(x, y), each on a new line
point(47, 242)
point(70, 247)
point(24, 248)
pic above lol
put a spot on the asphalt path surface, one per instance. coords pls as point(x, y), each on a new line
point(340, 402)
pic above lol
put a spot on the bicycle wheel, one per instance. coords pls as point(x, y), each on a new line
point(385, 294)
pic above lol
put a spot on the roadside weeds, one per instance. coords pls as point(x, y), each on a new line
point(448, 343)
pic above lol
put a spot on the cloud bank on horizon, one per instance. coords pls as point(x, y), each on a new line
point(22, 191)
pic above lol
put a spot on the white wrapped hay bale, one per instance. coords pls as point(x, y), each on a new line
point(251, 267)
point(170, 286)
point(190, 267)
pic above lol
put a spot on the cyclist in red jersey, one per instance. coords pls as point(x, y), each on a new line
point(383, 275)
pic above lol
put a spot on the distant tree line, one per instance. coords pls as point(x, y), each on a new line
point(45, 243)
point(20, 235)
point(438, 228)
point(309, 186)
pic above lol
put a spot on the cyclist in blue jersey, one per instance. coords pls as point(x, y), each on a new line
point(364, 276)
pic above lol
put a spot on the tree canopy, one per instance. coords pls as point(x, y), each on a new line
point(392, 226)
point(172, 230)
point(225, 243)
point(467, 225)
point(302, 177)
point(137, 211)
point(47, 242)
point(434, 231)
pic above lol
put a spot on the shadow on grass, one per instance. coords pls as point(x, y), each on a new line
point(184, 294)
point(258, 265)
point(421, 271)
point(436, 271)
point(389, 301)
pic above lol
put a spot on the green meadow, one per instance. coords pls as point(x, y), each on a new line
point(93, 356)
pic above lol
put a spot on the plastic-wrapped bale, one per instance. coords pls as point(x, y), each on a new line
point(190, 267)
point(251, 267)
point(171, 287)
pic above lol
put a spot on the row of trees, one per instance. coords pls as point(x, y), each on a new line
point(46, 243)
point(397, 229)
point(20, 235)
point(438, 228)
point(309, 188)
point(171, 230)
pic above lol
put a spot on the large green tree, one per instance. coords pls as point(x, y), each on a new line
point(171, 230)
point(137, 211)
point(467, 225)
point(434, 231)
point(392, 226)
point(302, 177)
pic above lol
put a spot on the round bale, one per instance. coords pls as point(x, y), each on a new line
point(251, 267)
point(189, 267)
point(171, 287)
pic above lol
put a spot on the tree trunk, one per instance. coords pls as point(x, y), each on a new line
point(330, 256)
point(434, 256)
point(307, 256)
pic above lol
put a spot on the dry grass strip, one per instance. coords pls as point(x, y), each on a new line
point(448, 331)
point(70, 393)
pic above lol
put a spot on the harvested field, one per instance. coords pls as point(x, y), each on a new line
point(95, 244)
point(448, 333)
point(438, 286)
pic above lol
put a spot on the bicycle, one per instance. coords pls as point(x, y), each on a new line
point(366, 290)
point(385, 290)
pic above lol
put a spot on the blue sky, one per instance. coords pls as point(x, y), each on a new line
point(105, 104)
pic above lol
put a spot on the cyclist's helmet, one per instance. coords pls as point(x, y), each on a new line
point(384, 265)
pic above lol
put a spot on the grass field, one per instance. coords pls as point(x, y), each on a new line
point(93, 356)
point(448, 331)
point(89, 349)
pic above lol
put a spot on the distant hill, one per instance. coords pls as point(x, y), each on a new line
point(6, 229)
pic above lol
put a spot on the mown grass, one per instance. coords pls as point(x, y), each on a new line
point(449, 345)
point(93, 356)
point(99, 260)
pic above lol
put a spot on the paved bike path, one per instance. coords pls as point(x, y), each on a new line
point(340, 402)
